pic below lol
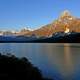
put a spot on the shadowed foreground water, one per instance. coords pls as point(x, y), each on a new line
point(57, 61)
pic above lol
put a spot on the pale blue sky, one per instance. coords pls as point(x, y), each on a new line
point(16, 14)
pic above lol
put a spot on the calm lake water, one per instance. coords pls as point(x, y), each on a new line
point(57, 61)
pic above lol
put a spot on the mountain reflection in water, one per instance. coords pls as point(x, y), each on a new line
point(57, 61)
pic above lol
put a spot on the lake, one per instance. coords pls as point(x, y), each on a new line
point(57, 61)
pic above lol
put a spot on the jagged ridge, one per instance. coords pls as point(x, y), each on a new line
point(58, 25)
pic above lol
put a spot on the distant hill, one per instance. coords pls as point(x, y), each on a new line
point(23, 32)
point(65, 19)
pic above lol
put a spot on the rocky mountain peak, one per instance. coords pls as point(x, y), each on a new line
point(66, 16)
point(65, 13)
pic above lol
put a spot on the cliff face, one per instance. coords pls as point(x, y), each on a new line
point(64, 20)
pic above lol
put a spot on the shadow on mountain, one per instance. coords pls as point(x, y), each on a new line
point(61, 37)
point(58, 37)
point(13, 68)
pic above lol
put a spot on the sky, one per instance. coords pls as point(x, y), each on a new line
point(17, 14)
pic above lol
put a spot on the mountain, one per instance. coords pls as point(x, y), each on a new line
point(60, 24)
point(23, 31)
